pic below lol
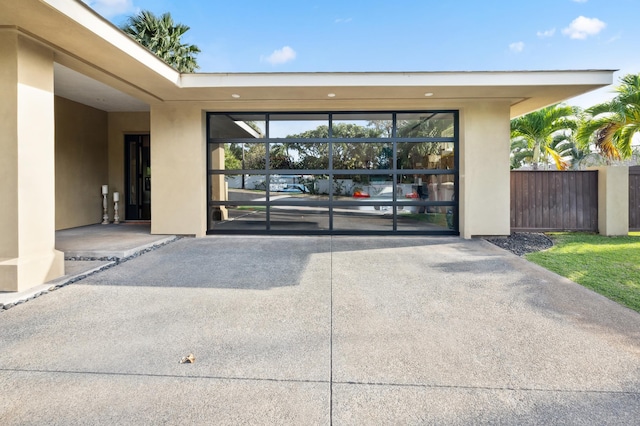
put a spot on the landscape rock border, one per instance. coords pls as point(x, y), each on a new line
point(521, 243)
point(113, 261)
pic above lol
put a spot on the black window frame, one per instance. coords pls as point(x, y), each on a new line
point(394, 203)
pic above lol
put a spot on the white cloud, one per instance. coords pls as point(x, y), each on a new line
point(111, 8)
point(516, 47)
point(280, 56)
point(343, 20)
point(546, 33)
point(580, 1)
point(581, 28)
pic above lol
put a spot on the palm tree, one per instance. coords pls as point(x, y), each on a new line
point(538, 129)
point(520, 153)
point(162, 36)
point(612, 125)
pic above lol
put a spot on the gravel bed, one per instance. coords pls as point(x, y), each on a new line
point(521, 243)
point(114, 261)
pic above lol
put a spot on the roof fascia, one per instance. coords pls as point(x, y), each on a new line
point(84, 16)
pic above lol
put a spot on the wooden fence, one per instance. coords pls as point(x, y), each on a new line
point(634, 198)
point(554, 201)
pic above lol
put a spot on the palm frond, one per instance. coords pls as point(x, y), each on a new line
point(561, 163)
point(162, 36)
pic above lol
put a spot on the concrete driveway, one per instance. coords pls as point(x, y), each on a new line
point(319, 330)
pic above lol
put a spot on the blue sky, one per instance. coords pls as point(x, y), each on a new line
point(405, 35)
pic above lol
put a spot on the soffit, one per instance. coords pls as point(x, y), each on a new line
point(87, 43)
point(78, 87)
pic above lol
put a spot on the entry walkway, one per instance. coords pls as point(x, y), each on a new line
point(89, 249)
point(320, 330)
point(107, 241)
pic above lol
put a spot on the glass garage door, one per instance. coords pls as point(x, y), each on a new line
point(333, 173)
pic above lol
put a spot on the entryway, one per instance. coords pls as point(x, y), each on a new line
point(137, 177)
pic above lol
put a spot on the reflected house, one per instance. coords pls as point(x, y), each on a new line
point(242, 153)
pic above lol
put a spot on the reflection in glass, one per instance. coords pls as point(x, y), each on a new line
point(299, 188)
point(299, 218)
point(364, 125)
point(425, 125)
point(227, 126)
point(299, 126)
point(425, 155)
point(361, 155)
point(298, 155)
point(245, 218)
point(409, 219)
point(239, 188)
point(363, 188)
point(425, 188)
point(237, 156)
point(362, 218)
point(259, 168)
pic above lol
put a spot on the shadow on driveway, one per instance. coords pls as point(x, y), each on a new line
point(351, 330)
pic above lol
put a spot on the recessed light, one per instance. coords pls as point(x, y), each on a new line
point(235, 96)
point(428, 94)
point(331, 95)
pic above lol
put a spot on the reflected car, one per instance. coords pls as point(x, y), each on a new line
point(384, 194)
point(295, 188)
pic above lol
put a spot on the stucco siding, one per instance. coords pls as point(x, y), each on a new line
point(178, 163)
point(81, 163)
point(484, 169)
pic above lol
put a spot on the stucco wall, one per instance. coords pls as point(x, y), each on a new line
point(484, 169)
point(8, 146)
point(178, 163)
point(179, 179)
point(81, 163)
point(120, 124)
point(613, 200)
point(27, 190)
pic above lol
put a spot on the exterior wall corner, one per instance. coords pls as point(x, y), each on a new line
point(178, 158)
point(484, 170)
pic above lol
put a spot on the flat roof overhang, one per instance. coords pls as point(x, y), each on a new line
point(87, 43)
point(524, 90)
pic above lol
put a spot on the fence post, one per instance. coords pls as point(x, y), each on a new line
point(613, 200)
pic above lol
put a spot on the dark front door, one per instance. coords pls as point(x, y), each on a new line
point(137, 177)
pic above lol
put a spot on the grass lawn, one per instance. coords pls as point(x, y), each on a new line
point(607, 265)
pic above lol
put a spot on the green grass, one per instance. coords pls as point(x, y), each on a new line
point(607, 265)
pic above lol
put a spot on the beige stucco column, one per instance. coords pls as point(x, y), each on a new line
point(484, 170)
point(179, 178)
point(27, 175)
point(613, 200)
point(219, 189)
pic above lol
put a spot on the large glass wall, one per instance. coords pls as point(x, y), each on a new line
point(333, 173)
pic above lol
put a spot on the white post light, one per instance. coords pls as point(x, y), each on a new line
point(116, 199)
point(105, 216)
